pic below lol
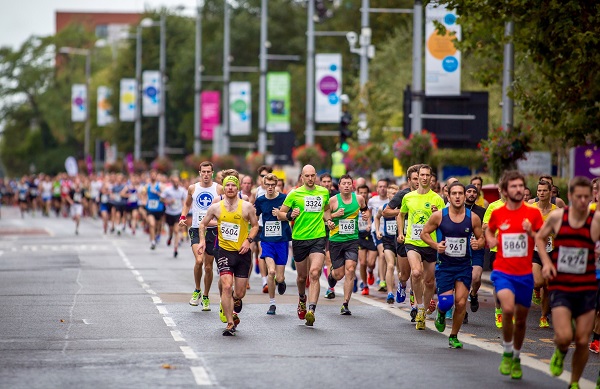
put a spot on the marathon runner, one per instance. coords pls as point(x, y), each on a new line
point(173, 198)
point(375, 204)
point(367, 252)
point(155, 208)
point(388, 236)
point(493, 251)
point(472, 194)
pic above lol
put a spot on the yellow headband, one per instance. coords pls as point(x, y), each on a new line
point(231, 179)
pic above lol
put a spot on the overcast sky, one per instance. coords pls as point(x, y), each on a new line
point(19, 19)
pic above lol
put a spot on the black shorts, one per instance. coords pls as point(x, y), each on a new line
point(257, 237)
point(157, 214)
point(301, 249)
point(171, 220)
point(401, 249)
point(340, 252)
point(578, 303)
point(365, 241)
point(390, 243)
point(234, 263)
point(428, 254)
point(211, 239)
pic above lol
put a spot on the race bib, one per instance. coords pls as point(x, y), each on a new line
point(104, 198)
point(346, 226)
point(572, 260)
point(201, 216)
point(514, 245)
point(22, 196)
point(272, 228)
point(362, 224)
point(549, 245)
point(153, 204)
point(34, 192)
point(77, 197)
point(456, 247)
point(391, 227)
point(117, 198)
point(416, 231)
point(313, 204)
point(133, 198)
point(56, 190)
point(230, 231)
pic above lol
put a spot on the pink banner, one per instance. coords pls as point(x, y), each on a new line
point(129, 162)
point(211, 113)
point(89, 164)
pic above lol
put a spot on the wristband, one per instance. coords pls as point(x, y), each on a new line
point(288, 215)
point(182, 218)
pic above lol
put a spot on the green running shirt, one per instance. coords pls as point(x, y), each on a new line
point(418, 209)
point(312, 203)
point(346, 226)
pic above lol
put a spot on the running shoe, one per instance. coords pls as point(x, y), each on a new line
point(169, 242)
point(535, 297)
point(281, 287)
point(237, 305)
point(515, 370)
point(229, 330)
point(413, 314)
point(453, 342)
point(595, 346)
point(440, 321)
point(466, 319)
point(390, 298)
point(370, 278)
point(400, 294)
point(474, 302)
point(411, 298)
point(420, 319)
point(362, 285)
point(153, 245)
point(236, 319)
point(272, 309)
point(365, 291)
point(222, 314)
point(382, 286)
point(175, 254)
point(556, 363)
point(265, 288)
point(205, 303)
point(355, 286)
point(195, 298)
point(506, 363)
point(345, 311)
point(575, 385)
point(301, 308)
point(310, 318)
point(544, 322)
point(330, 294)
point(498, 315)
point(331, 281)
point(432, 306)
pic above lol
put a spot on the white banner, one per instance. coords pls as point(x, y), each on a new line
point(537, 162)
point(104, 109)
point(71, 166)
point(240, 114)
point(328, 88)
point(151, 93)
point(79, 103)
point(442, 59)
point(128, 99)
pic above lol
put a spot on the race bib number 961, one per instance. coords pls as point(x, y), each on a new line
point(456, 247)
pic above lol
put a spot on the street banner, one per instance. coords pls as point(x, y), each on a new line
point(127, 99)
point(278, 102)
point(210, 113)
point(129, 163)
point(442, 59)
point(536, 163)
point(104, 109)
point(89, 164)
point(151, 93)
point(79, 103)
point(328, 88)
point(71, 166)
point(585, 161)
point(240, 116)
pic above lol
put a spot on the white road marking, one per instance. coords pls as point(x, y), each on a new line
point(156, 300)
point(162, 309)
point(188, 352)
point(1, 253)
point(177, 336)
point(150, 291)
point(139, 279)
point(201, 376)
point(135, 272)
point(169, 321)
point(145, 285)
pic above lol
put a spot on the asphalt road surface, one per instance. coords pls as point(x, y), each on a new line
point(97, 310)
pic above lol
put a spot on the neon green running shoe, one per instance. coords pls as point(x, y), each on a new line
point(556, 363)
point(574, 385)
point(453, 341)
point(515, 370)
point(221, 314)
point(440, 321)
point(195, 298)
point(505, 364)
point(310, 318)
point(205, 303)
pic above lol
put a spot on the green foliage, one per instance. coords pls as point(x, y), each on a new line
point(418, 148)
point(455, 157)
point(503, 148)
point(313, 155)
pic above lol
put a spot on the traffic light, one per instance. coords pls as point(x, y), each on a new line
point(345, 131)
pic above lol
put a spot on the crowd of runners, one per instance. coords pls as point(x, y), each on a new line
point(415, 240)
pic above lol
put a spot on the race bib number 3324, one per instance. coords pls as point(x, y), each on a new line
point(313, 204)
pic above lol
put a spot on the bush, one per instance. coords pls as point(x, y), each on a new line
point(313, 155)
point(503, 148)
point(418, 148)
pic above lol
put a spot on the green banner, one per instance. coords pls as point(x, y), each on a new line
point(278, 102)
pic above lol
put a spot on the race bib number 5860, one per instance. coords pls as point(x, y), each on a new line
point(514, 245)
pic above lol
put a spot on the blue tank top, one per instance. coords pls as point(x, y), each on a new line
point(457, 237)
point(154, 203)
point(132, 200)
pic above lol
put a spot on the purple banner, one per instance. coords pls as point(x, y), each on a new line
point(586, 161)
point(129, 162)
point(89, 164)
point(211, 113)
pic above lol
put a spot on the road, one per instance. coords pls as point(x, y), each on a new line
point(98, 310)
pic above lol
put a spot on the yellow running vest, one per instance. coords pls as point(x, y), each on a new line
point(233, 229)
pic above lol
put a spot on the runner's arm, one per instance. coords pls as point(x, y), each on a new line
point(377, 221)
point(187, 203)
point(282, 214)
point(478, 232)
point(548, 269)
point(432, 224)
point(400, 223)
point(595, 230)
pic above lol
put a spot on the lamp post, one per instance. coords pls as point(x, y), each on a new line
point(198, 82)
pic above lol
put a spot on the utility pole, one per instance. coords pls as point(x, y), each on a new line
point(162, 67)
point(310, 75)
point(417, 79)
point(137, 148)
point(226, 80)
point(365, 42)
point(198, 82)
point(507, 77)
point(262, 103)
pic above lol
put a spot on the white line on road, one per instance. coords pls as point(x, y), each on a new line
point(150, 291)
point(162, 309)
point(85, 321)
point(145, 285)
point(156, 300)
point(135, 272)
point(177, 336)
point(201, 376)
point(139, 279)
point(188, 352)
point(169, 322)
point(1, 253)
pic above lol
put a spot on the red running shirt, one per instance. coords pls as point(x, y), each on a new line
point(515, 246)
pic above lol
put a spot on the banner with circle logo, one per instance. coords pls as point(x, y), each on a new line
point(240, 114)
point(328, 80)
point(151, 93)
point(442, 59)
point(104, 109)
point(127, 99)
point(78, 103)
